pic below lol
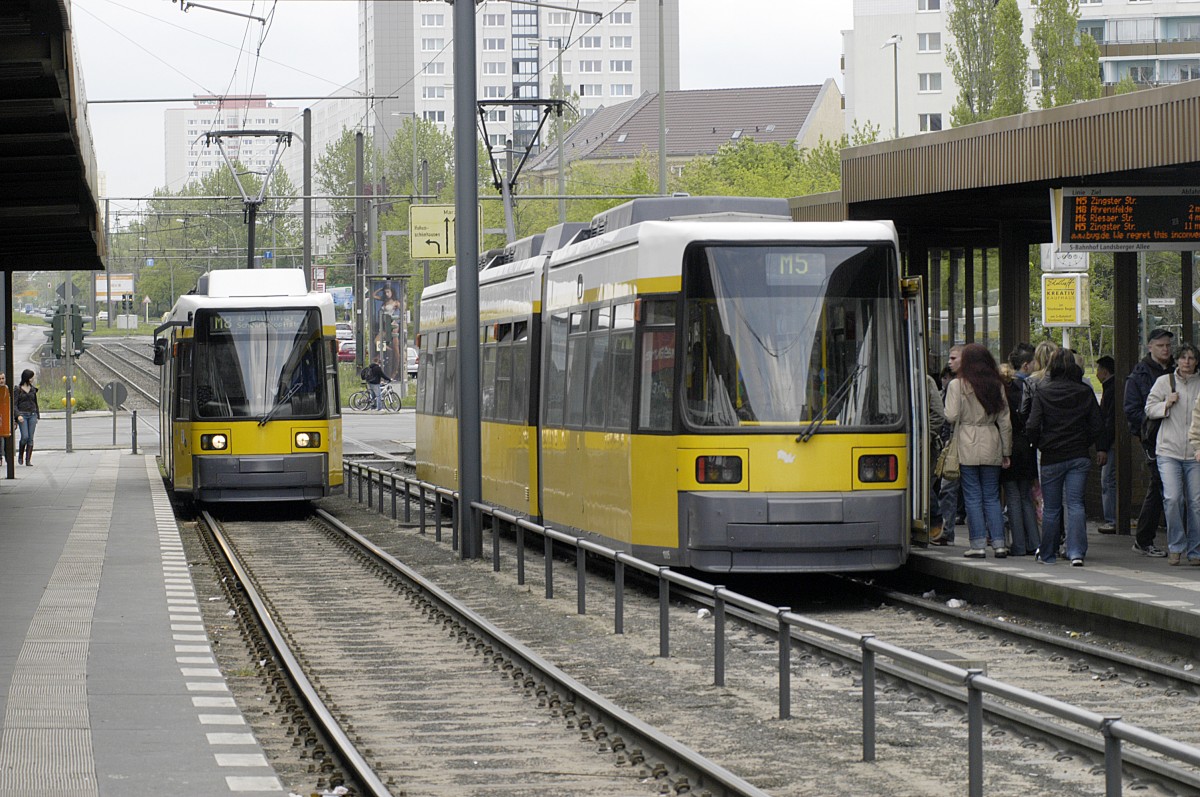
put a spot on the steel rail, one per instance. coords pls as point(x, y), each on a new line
point(307, 692)
point(701, 772)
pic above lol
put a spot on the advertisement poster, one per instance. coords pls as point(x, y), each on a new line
point(386, 324)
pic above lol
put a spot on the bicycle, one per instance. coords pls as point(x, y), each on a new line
point(362, 400)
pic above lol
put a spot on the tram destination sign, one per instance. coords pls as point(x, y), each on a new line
point(1141, 219)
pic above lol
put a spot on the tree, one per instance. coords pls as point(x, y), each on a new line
point(1010, 62)
point(1069, 61)
point(333, 174)
point(971, 26)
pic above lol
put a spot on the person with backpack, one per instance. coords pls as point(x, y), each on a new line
point(1155, 364)
point(374, 376)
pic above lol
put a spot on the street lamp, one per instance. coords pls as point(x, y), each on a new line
point(894, 43)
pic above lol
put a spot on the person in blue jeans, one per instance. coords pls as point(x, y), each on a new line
point(1064, 423)
point(1173, 399)
point(977, 406)
point(28, 412)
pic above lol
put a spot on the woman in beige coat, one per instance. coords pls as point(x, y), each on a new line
point(978, 408)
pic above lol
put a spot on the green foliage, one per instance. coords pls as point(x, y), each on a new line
point(971, 27)
point(1069, 60)
point(1125, 86)
point(1011, 62)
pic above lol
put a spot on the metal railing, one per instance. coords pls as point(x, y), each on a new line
point(1111, 728)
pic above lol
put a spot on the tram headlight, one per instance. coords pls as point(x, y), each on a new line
point(718, 470)
point(214, 442)
point(877, 468)
point(308, 439)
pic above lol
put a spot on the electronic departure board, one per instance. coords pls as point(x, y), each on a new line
point(1127, 219)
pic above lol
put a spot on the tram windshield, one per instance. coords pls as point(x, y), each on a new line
point(258, 364)
point(797, 334)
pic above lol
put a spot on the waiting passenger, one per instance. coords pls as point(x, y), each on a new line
point(1064, 423)
point(1156, 363)
point(978, 408)
point(1173, 399)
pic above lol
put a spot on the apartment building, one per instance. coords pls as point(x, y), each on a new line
point(896, 77)
point(606, 53)
point(189, 158)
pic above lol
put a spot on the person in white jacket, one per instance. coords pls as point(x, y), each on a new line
point(1173, 399)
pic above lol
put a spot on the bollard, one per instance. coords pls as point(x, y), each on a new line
point(785, 665)
point(134, 435)
point(718, 636)
point(868, 698)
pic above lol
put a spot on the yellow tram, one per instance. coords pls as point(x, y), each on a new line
point(249, 390)
point(699, 381)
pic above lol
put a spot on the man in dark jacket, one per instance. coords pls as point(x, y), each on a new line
point(1157, 362)
point(1106, 369)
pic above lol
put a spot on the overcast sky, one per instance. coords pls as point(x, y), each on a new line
point(146, 49)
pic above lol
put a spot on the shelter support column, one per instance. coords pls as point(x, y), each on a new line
point(1014, 286)
point(1126, 352)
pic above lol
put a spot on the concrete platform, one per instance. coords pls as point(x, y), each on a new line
point(108, 685)
point(1158, 603)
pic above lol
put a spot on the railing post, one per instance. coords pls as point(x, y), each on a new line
point(1112, 757)
point(519, 533)
point(407, 501)
point(664, 613)
point(381, 492)
point(785, 664)
point(974, 735)
point(394, 493)
point(548, 554)
point(496, 543)
point(134, 431)
point(718, 636)
point(437, 515)
point(868, 698)
point(421, 498)
point(580, 578)
point(618, 596)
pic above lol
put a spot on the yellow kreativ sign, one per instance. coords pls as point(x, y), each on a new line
point(1065, 300)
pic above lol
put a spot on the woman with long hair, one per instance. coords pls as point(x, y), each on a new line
point(1174, 401)
point(28, 413)
point(977, 406)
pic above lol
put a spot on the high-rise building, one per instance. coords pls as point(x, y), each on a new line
point(190, 158)
point(895, 70)
point(606, 53)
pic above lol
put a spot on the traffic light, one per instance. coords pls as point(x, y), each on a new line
point(76, 331)
point(56, 331)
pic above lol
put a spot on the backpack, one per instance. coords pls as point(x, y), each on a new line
point(365, 373)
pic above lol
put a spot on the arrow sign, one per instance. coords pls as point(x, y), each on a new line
point(431, 232)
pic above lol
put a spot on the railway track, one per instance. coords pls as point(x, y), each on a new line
point(129, 365)
point(446, 702)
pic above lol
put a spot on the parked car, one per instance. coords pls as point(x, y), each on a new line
point(347, 349)
point(412, 358)
point(343, 331)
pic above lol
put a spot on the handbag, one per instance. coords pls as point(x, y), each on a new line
point(1149, 435)
point(947, 466)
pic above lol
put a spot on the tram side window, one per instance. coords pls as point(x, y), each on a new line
point(520, 373)
point(448, 373)
point(599, 366)
point(487, 379)
point(182, 365)
point(556, 370)
point(332, 390)
point(657, 378)
point(425, 375)
point(620, 394)
point(576, 370)
point(504, 378)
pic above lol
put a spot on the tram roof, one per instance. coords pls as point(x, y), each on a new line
point(979, 177)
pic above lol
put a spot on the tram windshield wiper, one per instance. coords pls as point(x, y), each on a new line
point(836, 398)
point(291, 391)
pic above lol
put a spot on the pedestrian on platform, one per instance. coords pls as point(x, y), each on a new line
point(1064, 423)
point(1106, 369)
point(1018, 478)
point(1038, 371)
point(976, 405)
point(28, 414)
point(1156, 363)
point(947, 492)
point(936, 420)
point(1173, 399)
point(5, 416)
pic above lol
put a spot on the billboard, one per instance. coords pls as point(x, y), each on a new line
point(117, 284)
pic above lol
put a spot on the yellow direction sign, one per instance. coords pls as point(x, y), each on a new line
point(431, 232)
